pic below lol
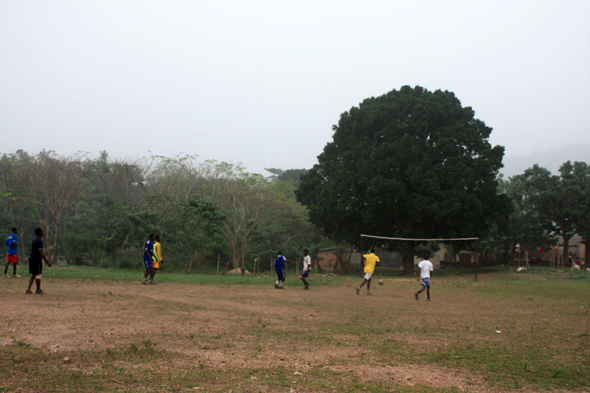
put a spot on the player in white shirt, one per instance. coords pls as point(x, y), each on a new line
point(306, 269)
point(424, 269)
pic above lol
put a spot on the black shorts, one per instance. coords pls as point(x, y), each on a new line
point(35, 267)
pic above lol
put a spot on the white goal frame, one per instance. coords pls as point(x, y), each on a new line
point(427, 240)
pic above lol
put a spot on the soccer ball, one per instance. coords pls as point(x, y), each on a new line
point(380, 282)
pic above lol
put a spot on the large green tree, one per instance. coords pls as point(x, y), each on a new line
point(410, 163)
point(561, 202)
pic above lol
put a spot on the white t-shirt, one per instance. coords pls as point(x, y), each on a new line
point(425, 268)
point(306, 263)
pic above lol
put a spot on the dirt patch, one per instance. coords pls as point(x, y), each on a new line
point(255, 327)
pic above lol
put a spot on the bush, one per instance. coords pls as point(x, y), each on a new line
point(127, 264)
point(104, 264)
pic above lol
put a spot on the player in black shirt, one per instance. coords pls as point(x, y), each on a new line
point(36, 262)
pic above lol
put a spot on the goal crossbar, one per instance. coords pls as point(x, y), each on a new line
point(428, 240)
point(420, 240)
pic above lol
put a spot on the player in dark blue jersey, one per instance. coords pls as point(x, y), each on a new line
point(148, 255)
point(280, 268)
point(36, 262)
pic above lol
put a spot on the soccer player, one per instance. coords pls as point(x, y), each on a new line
point(36, 263)
point(280, 268)
point(148, 254)
point(157, 258)
point(424, 269)
point(370, 261)
point(12, 252)
point(306, 269)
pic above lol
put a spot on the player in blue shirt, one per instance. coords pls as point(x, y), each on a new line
point(12, 252)
point(280, 268)
point(148, 255)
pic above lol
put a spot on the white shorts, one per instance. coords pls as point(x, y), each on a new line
point(368, 276)
point(37, 277)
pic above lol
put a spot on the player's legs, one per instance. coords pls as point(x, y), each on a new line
point(38, 283)
point(152, 274)
point(302, 277)
point(424, 285)
point(6, 269)
point(280, 279)
point(366, 280)
point(14, 261)
point(30, 283)
point(148, 270)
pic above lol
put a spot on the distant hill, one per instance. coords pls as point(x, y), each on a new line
point(550, 159)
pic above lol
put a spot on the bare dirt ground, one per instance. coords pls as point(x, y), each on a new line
point(238, 327)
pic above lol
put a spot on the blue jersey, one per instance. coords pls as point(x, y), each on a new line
point(280, 263)
point(11, 242)
point(149, 248)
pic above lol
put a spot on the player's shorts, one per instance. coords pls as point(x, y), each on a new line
point(147, 263)
point(281, 275)
point(425, 282)
point(11, 258)
point(304, 273)
point(368, 276)
point(35, 268)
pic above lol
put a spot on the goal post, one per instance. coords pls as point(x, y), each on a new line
point(408, 239)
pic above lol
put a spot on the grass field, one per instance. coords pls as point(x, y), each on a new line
point(101, 330)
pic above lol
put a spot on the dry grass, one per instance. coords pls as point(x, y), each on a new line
point(89, 335)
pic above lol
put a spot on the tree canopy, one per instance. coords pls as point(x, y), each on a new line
point(410, 163)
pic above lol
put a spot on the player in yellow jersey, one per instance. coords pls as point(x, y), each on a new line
point(370, 261)
point(157, 258)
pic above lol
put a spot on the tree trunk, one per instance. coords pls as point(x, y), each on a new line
point(566, 241)
point(409, 259)
point(63, 244)
point(123, 247)
point(201, 257)
point(586, 252)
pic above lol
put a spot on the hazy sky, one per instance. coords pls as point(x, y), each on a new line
point(262, 82)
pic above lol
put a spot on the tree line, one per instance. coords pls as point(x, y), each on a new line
point(411, 163)
point(100, 210)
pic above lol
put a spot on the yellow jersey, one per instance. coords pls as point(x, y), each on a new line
point(157, 254)
point(370, 262)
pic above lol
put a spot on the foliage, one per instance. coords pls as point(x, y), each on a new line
point(557, 201)
point(94, 209)
point(410, 163)
point(429, 249)
point(290, 175)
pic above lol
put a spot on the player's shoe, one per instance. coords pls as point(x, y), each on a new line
point(5, 275)
point(39, 292)
point(276, 286)
point(358, 290)
point(144, 281)
point(16, 276)
point(306, 287)
point(281, 287)
point(416, 295)
point(28, 292)
point(369, 293)
point(428, 299)
point(151, 282)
